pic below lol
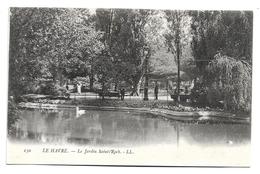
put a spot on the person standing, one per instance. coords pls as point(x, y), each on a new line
point(122, 91)
point(79, 88)
point(156, 91)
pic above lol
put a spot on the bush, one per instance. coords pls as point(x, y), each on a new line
point(199, 95)
point(229, 80)
point(13, 115)
point(53, 89)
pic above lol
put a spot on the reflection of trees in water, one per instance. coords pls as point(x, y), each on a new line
point(104, 127)
point(208, 134)
point(118, 129)
point(21, 129)
point(86, 128)
point(30, 126)
point(51, 126)
point(129, 128)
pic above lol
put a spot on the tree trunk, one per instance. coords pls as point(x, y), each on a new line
point(146, 80)
point(61, 78)
point(136, 87)
point(91, 75)
point(178, 67)
point(146, 87)
point(91, 81)
point(135, 90)
point(103, 90)
point(116, 86)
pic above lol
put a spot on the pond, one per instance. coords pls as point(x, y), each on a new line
point(122, 128)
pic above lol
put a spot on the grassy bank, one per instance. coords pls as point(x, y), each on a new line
point(136, 103)
point(131, 103)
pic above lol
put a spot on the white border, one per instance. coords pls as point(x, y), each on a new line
point(160, 4)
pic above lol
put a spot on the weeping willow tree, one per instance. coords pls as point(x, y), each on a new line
point(229, 80)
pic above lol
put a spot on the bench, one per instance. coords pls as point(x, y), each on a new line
point(183, 97)
point(109, 94)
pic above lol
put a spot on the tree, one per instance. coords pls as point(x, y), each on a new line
point(222, 48)
point(41, 38)
point(51, 43)
point(76, 40)
point(104, 69)
point(229, 80)
point(228, 32)
point(85, 47)
point(125, 40)
point(177, 37)
point(105, 21)
point(24, 66)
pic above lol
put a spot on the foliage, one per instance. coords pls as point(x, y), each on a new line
point(104, 70)
point(50, 43)
point(12, 115)
point(178, 37)
point(130, 36)
point(86, 47)
point(219, 33)
point(81, 80)
point(161, 62)
point(230, 81)
point(228, 32)
point(119, 46)
point(23, 69)
point(54, 89)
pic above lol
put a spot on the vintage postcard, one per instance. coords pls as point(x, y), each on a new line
point(134, 87)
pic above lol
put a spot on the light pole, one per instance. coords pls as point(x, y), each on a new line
point(177, 41)
point(146, 52)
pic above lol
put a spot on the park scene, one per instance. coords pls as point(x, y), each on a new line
point(130, 76)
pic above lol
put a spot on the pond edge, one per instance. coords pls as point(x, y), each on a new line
point(199, 116)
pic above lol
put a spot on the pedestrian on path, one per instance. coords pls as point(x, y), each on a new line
point(122, 93)
point(79, 88)
point(156, 91)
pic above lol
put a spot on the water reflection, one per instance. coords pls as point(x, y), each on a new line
point(121, 128)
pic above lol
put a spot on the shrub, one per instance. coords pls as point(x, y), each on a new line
point(230, 81)
point(13, 115)
point(53, 89)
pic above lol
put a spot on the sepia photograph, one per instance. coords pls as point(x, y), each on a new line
point(129, 87)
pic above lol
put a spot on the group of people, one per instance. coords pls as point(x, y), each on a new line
point(122, 93)
point(156, 90)
point(77, 86)
point(122, 90)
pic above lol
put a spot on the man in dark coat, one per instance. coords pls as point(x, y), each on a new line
point(156, 91)
point(122, 92)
